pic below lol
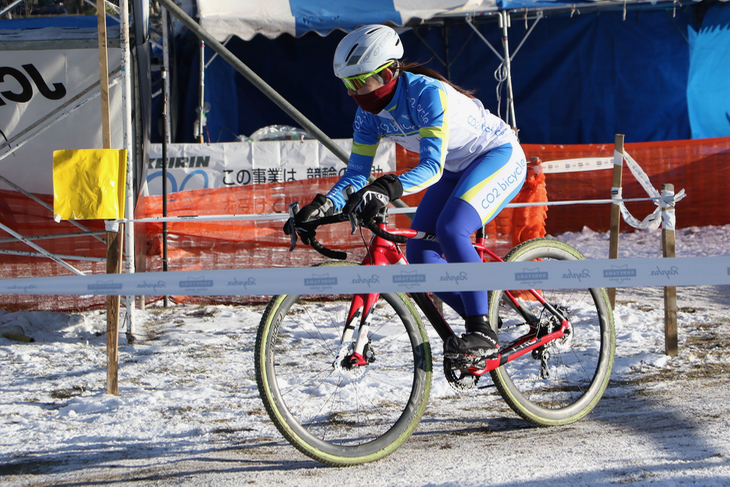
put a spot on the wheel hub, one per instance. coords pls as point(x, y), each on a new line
point(345, 369)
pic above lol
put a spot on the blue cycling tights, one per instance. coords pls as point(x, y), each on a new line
point(457, 206)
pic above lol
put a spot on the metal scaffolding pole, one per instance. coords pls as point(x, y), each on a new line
point(511, 118)
point(129, 145)
point(259, 83)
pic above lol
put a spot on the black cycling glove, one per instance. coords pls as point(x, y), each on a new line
point(320, 207)
point(367, 202)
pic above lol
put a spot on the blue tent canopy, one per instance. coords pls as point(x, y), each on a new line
point(223, 18)
point(271, 18)
point(584, 71)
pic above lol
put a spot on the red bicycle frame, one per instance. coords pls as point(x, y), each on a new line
point(385, 252)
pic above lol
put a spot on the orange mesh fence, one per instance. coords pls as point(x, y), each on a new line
point(30, 219)
point(699, 166)
point(196, 245)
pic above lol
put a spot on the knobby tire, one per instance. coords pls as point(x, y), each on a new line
point(579, 364)
point(329, 415)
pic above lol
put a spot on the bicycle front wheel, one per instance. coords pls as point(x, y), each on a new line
point(335, 415)
point(561, 382)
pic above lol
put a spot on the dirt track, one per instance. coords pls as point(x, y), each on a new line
point(663, 426)
point(653, 432)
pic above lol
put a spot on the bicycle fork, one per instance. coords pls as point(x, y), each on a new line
point(380, 252)
point(361, 307)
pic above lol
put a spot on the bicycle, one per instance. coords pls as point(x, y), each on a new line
point(346, 378)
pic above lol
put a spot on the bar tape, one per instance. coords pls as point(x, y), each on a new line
point(598, 273)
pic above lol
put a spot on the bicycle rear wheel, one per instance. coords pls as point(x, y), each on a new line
point(331, 414)
point(562, 382)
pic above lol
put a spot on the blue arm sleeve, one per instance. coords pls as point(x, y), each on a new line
point(433, 119)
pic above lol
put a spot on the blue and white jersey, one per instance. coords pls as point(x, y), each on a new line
point(447, 128)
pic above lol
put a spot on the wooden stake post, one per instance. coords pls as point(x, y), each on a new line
point(671, 345)
point(113, 242)
point(618, 164)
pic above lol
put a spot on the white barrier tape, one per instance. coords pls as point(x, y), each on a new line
point(669, 218)
point(640, 175)
point(413, 278)
point(616, 195)
point(653, 220)
point(618, 158)
point(111, 226)
point(392, 211)
point(581, 164)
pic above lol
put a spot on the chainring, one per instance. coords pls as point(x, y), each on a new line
point(459, 379)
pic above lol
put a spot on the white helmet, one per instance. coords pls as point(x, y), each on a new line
point(365, 49)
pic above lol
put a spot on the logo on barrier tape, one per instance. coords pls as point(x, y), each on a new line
point(409, 279)
point(531, 276)
point(374, 279)
point(320, 282)
point(580, 275)
point(245, 282)
point(25, 289)
point(565, 274)
point(619, 273)
point(151, 285)
point(104, 286)
point(196, 283)
point(462, 276)
point(672, 271)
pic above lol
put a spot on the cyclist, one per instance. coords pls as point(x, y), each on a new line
point(470, 161)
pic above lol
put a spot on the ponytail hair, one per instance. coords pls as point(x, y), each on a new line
point(417, 68)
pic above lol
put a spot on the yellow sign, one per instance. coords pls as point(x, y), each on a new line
point(89, 184)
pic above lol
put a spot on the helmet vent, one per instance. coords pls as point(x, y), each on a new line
point(347, 58)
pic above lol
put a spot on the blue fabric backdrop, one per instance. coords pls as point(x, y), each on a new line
point(579, 79)
point(708, 88)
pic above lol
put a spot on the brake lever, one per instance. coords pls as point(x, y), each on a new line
point(293, 210)
point(354, 222)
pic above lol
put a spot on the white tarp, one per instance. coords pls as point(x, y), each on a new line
point(271, 18)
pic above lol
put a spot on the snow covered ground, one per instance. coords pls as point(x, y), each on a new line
point(189, 413)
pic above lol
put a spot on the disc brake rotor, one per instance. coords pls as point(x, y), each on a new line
point(345, 370)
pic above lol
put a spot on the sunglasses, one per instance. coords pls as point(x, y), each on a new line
point(354, 83)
